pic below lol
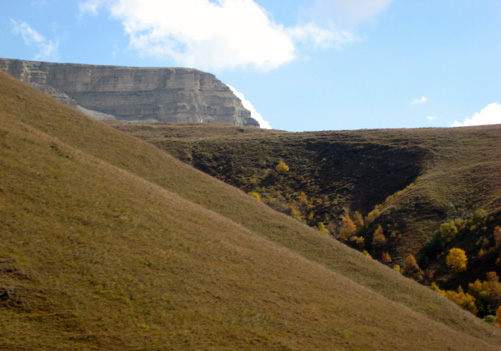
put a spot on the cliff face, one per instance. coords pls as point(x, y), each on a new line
point(135, 94)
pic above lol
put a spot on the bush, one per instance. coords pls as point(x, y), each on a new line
point(282, 168)
point(255, 194)
point(490, 319)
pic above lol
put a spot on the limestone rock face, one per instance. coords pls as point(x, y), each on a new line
point(134, 94)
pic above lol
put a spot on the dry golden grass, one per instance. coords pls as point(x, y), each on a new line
point(109, 243)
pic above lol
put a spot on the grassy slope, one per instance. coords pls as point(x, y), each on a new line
point(459, 169)
point(191, 278)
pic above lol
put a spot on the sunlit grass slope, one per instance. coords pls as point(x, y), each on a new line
point(108, 243)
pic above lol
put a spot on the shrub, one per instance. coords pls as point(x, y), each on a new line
point(255, 194)
point(490, 319)
point(282, 168)
point(321, 228)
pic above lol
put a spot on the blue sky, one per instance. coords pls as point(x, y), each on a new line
point(303, 64)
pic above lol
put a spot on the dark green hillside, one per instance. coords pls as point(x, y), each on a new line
point(109, 243)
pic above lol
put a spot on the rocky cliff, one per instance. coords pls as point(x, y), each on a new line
point(135, 94)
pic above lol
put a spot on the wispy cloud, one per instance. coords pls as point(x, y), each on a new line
point(90, 6)
point(346, 13)
point(421, 100)
point(222, 34)
point(491, 114)
point(46, 49)
point(431, 118)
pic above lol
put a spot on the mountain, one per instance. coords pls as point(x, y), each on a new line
point(110, 243)
point(134, 94)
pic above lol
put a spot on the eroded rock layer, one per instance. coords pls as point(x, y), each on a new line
point(135, 94)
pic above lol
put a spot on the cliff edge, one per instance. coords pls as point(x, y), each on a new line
point(134, 94)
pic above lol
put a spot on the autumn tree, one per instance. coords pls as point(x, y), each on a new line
point(461, 298)
point(358, 220)
point(410, 267)
point(385, 257)
point(457, 260)
point(282, 167)
point(378, 238)
point(492, 287)
point(348, 228)
point(361, 242)
point(448, 230)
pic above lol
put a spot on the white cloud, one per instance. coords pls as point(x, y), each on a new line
point(47, 49)
point(431, 118)
point(491, 114)
point(347, 13)
point(215, 35)
point(247, 104)
point(321, 38)
point(420, 100)
point(91, 6)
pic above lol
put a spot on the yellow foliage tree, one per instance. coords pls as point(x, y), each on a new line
point(461, 298)
point(361, 242)
point(282, 167)
point(358, 220)
point(457, 260)
point(348, 228)
point(378, 238)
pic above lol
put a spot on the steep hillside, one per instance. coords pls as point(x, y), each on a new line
point(109, 243)
point(408, 182)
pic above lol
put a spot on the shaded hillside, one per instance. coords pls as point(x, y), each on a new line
point(108, 241)
point(408, 182)
point(353, 174)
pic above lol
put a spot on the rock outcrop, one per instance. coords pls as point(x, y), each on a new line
point(134, 94)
